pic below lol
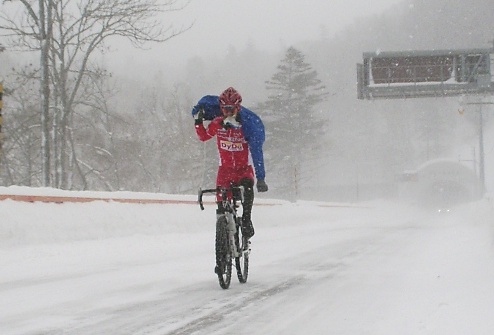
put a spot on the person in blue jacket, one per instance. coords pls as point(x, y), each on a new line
point(240, 136)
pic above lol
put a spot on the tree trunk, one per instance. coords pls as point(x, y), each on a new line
point(45, 32)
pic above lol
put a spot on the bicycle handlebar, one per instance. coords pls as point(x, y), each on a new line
point(201, 192)
point(215, 190)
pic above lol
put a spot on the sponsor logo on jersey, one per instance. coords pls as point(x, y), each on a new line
point(231, 146)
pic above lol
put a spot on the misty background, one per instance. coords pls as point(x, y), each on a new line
point(133, 131)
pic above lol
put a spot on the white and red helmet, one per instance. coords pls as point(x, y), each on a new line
point(230, 99)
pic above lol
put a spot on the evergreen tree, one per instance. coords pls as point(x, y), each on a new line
point(293, 125)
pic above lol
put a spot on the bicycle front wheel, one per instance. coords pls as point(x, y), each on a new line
point(242, 261)
point(223, 256)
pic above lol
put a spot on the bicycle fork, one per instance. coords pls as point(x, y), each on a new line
point(232, 230)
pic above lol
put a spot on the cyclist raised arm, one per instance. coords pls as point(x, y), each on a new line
point(239, 137)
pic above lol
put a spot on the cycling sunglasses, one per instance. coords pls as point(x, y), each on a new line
point(228, 107)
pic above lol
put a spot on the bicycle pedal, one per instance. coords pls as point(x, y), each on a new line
point(246, 245)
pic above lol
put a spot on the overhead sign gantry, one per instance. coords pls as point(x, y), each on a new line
point(417, 74)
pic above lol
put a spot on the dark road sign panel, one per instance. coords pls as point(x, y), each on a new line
point(424, 74)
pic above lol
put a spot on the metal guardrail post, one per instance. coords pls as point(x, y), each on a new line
point(1, 119)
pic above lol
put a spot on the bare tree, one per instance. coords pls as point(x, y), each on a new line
point(167, 157)
point(22, 135)
point(68, 33)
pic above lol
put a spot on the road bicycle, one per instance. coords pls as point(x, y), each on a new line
point(229, 243)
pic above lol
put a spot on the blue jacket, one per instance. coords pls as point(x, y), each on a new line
point(252, 127)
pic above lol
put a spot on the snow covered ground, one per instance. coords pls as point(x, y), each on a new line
point(118, 268)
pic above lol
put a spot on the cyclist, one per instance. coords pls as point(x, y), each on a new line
point(239, 137)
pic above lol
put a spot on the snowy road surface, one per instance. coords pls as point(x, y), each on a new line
point(110, 268)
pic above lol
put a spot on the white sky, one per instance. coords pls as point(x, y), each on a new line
point(111, 268)
point(269, 25)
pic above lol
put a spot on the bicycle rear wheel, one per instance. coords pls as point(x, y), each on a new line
point(242, 262)
point(223, 256)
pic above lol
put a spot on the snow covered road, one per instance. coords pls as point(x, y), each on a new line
point(110, 268)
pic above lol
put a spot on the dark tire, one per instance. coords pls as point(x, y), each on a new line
point(223, 256)
point(242, 262)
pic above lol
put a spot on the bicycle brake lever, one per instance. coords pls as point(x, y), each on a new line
point(199, 199)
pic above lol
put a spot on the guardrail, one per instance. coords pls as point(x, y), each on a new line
point(27, 194)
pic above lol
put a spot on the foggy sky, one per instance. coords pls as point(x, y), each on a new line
point(269, 25)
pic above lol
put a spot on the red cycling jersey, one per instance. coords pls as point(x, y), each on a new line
point(233, 151)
